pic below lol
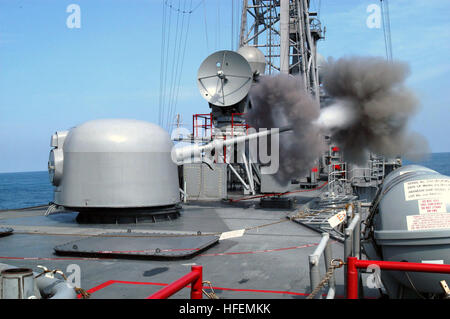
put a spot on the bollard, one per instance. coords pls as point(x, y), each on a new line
point(17, 283)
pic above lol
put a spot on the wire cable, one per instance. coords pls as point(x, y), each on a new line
point(166, 53)
point(206, 25)
point(174, 63)
point(386, 28)
point(161, 73)
point(173, 68)
point(182, 61)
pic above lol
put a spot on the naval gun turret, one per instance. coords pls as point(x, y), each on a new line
point(122, 171)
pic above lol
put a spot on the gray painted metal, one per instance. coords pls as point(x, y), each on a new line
point(400, 243)
point(405, 172)
point(270, 185)
point(138, 245)
point(255, 58)
point(17, 283)
point(45, 286)
point(5, 231)
point(203, 153)
point(277, 202)
point(324, 249)
point(117, 163)
point(224, 78)
point(328, 255)
point(284, 36)
point(56, 288)
point(202, 183)
point(352, 232)
point(58, 139)
point(56, 157)
point(262, 259)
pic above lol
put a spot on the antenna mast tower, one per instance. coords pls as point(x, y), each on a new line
point(287, 33)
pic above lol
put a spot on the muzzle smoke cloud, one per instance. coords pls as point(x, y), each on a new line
point(279, 101)
point(370, 112)
point(374, 90)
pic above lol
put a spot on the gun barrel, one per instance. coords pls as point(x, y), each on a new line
point(196, 151)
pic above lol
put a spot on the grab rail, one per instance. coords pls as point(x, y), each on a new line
point(324, 249)
point(354, 263)
point(194, 278)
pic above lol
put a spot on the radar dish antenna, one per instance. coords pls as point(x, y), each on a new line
point(224, 78)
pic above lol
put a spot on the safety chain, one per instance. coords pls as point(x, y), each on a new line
point(212, 294)
point(53, 272)
point(84, 294)
point(302, 214)
point(334, 264)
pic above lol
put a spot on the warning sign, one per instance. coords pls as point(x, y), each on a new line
point(232, 234)
point(338, 218)
point(428, 221)
point(427, 188)
point(435, 205)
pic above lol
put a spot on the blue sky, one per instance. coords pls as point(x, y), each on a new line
point(53, 78)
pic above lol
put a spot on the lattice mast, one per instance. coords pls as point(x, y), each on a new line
point(287, 33)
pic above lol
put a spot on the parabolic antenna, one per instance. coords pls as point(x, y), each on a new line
point(224, 78)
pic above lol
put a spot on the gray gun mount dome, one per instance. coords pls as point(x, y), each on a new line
point(224, 78)
point(412, 223)
point(255, 58)
point(55, 159)
point(116, 167)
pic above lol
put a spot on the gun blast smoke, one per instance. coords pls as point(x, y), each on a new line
point(370, 112)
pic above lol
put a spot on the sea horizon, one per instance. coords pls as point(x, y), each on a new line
point(33, 188)
point(17, 172)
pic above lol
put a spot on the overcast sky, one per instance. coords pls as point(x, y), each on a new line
point(53, 77)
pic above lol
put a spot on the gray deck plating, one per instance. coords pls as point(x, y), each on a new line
point(165, 245)
point(266, 262)
point(5, 231)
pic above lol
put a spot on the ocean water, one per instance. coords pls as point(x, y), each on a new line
point(25, 189)
point(18, 190)
point(440, 162)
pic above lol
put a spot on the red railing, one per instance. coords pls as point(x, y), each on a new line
point(194, 278)
point(205, 125)
point(353, 264)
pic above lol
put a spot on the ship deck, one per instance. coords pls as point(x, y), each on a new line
point(270, 260)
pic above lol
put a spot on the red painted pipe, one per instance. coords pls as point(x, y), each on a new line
point(353, 264)
point(352, 278)
point(197, 284)
point(194, 278)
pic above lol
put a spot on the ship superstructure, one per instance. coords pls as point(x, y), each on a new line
point(131, 213)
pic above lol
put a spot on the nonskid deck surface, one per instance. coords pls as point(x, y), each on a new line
point(270, 260)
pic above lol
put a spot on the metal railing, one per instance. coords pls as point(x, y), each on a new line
point(353, 264)
point(352, 243)
point(314, 269)
point(352, 248)
point(352, 235)
point(194, 278)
